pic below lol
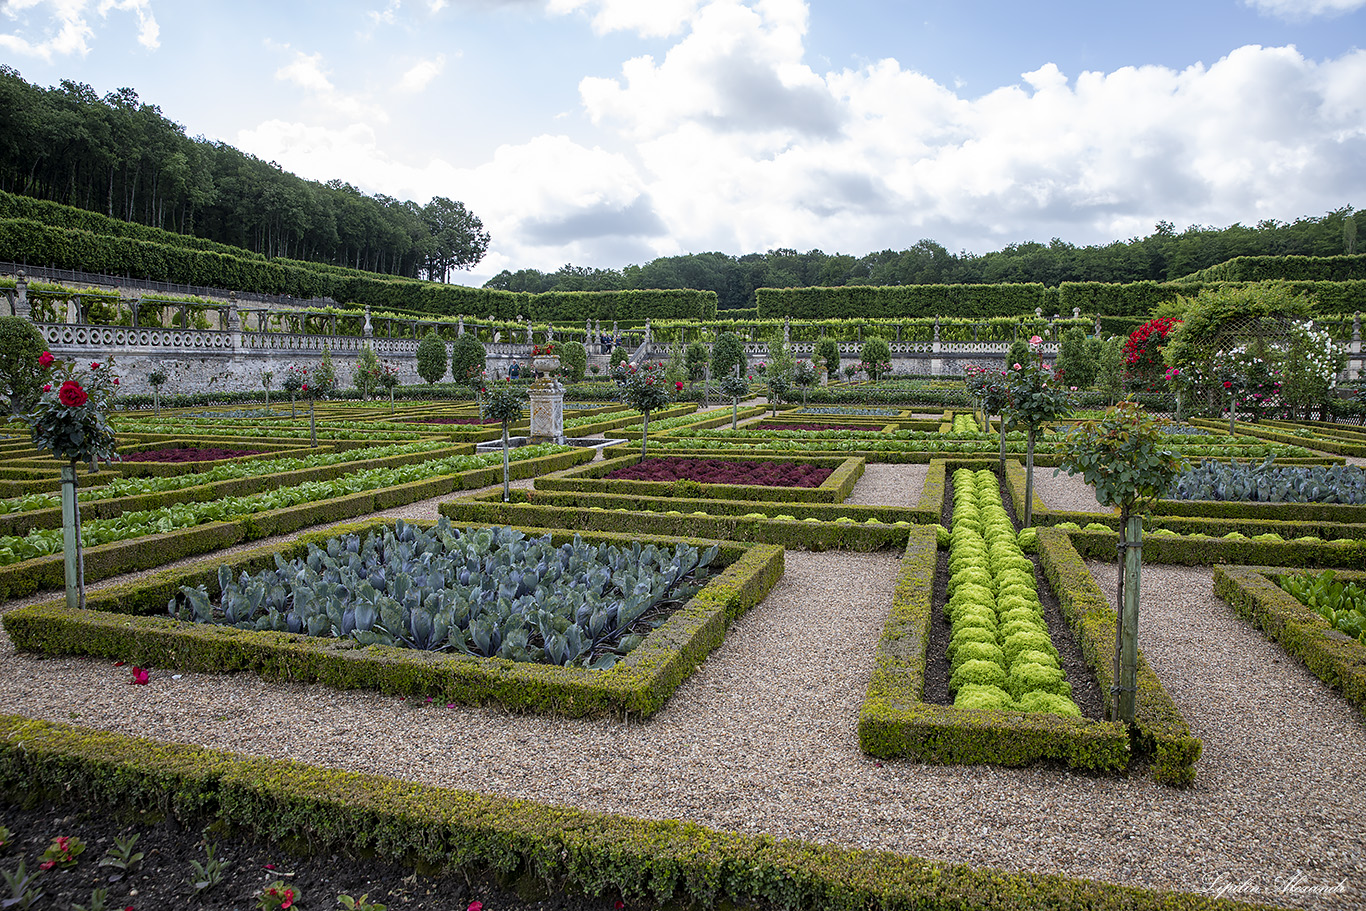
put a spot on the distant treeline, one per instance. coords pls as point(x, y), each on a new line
point(1162, 256)
point(122, 158)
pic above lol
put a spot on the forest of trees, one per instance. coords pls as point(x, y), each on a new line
point(1164, 255)
point(121, 157)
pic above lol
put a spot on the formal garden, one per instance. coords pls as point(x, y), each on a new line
point(1085, 630)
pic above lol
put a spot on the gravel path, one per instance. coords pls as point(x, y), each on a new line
point(762, 738)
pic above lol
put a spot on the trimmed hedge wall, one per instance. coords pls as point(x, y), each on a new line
point(29, 240)
point(105, 560)
point(1336, 659)
point(1285, 268)
point(895, 722)
point(637, 685)
point(658, 862)
point(879, 302)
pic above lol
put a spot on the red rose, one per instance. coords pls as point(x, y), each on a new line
point(71, 394)
point(678, 384)
point(116, 381)
point(47, 388)
point(1228, 384)
point(94, 365)
point(45, 359)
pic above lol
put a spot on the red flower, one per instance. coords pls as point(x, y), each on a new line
point(45, 359)
point(71, 394)
point(475, 906)
point(304, 387)
point(1228, 384)
point(678, 384)
point(94, 365)
point(47, 865)
point(116, 381)
point(47, 387)
point(140, 677)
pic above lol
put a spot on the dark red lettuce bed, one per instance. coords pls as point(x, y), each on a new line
point(718, 471)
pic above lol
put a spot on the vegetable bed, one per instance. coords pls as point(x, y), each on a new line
point(718, 471)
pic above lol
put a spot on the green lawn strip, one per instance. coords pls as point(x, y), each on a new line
point(655, 863)
point(285, 475)
point(835, 488)
point(1159, 732)
point(1333, 657)
point(128, 623)
point(896, 723)
point(105, 560)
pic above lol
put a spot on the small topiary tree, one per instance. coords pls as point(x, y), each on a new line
point(1123, 457)
point(1110, 368)
point(804, 376)
point(827, 355)
point(645, 389)
point(388, 379)
point(728, 356)
point(877, 358)
point(266, 377)
point(1077, 358)
point(504, 403)
point(431, 357)
point(320, 385)
point(366, 376)
point(293, 382)
point(21, 376)
point(735, 387)
point(468, 359)
point(1311, 369)
point(156, 379)
point(1033, 399)
point(573, 360)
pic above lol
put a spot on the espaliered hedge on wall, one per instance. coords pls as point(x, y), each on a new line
point(1285, 268)
point(874, 302)
point(1129, 301)
point(895, 722)
point(1336, 659)
point(637, 685)
point(653, 862)
point(30, 240)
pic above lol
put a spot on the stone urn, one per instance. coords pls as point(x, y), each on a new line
point(545, 364)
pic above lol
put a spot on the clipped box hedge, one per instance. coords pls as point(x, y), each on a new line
point(122, 622)
point(896, 723)
point(834, 489)
point(656, 863)
point(1335, 658)
point(1159, 732)
point(106, 560)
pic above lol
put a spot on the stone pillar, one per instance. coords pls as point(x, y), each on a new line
point(368, 330)
point(21, 305)
point(1076, 313)
point(787, 330)
point(460, 326)
point(547, 403)
point(936, 362)
point(647, 331)
point(1097, 326)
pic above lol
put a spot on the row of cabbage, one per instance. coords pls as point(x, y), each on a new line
point(228, 471)
point(1001, 655)
point(694, 439)
point(42, 542)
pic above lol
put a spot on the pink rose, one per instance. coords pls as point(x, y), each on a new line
point(1017, 366)
point(1035, 341)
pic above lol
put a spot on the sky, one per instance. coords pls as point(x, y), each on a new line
point(608, 132)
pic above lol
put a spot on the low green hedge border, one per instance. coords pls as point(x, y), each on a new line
point(1159, 731)
point(1286, 435)
point(658, 863)
point(855, 536)
point(106, 560)
point(587, 430)
point(896, 723)
point(1336, 659)
point(638, 685)
point(19, 523)
point(835, 488)
point(719, 418)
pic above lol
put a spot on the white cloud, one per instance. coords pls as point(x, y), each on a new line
point(309, 73)
point(65, 31)
point(386, 16)
point(1305, 9)
point(651, 18)
point(419, 75)
point(148, 31)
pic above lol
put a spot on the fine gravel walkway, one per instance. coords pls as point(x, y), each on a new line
point(762, 738)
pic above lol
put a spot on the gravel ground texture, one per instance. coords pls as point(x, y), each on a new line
point(762, 739)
